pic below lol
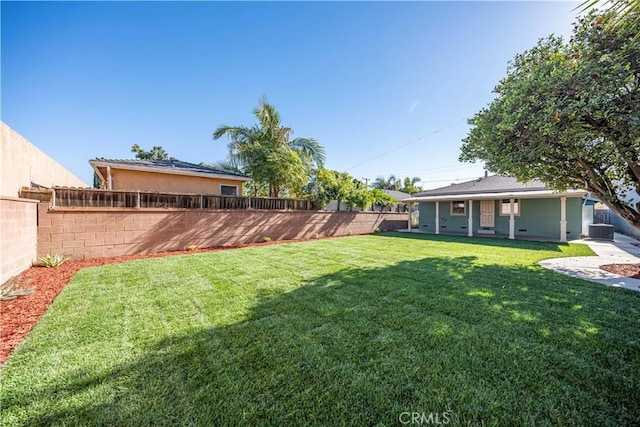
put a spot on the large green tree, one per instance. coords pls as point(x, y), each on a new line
point(267, 153)
point(156, 153)
point(325, 185)
point(569, 113)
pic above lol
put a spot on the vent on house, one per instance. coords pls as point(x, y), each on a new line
point(524, 230)
point(601, 231)
point(463, 227)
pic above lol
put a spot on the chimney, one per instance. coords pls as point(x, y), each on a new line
point(486, 173)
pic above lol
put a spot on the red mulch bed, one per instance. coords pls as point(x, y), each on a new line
point(21, 314)
point(627, 270)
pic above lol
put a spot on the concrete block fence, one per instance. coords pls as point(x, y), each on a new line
point(18, 236)
point(93, 233)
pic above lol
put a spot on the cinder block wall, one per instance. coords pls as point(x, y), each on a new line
point(18, 236)
point(93, 234)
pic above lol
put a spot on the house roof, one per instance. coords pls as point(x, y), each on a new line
point(172, 166)
point(494, 186)
point(398, 195)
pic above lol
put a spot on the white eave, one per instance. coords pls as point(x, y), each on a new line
point(97, 163)
point(537, 194)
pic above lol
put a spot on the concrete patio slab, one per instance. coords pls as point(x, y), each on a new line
point(622, 250)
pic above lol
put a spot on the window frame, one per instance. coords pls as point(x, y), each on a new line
point(464, 208)
point(517, 207)
point(235, 187)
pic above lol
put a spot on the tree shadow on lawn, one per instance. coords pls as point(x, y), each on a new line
point(483, 343)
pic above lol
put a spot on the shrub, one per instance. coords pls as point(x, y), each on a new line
point(14, 288)
point(192, 247)
point(52, 260)
point(266, 239)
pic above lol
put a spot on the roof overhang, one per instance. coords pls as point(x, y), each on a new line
point(537, 194)
point(95, 164)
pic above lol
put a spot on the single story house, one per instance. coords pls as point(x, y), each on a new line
point(502, 206)
point(171, 176)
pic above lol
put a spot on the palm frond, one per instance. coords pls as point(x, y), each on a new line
point(228, 165)
point(233, 132)
point(311, 148)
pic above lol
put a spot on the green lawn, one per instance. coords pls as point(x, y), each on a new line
point(349, 331)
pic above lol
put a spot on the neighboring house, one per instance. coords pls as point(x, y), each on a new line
point(400, 206)
point(502, 206)
point(172, 176)
point(398, 195)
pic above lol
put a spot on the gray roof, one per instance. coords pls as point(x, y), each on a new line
point(167, 166)
point(398, 195)
point(489, 184)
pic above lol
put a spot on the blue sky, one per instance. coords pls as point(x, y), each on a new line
point(89, 79)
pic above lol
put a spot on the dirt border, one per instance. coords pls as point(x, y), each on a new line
point(626, 270)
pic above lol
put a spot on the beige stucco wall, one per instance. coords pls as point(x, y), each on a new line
point(150, 181)
point(22, 163)
point(18, 235)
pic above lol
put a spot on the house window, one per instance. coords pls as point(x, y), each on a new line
point(459, 208)
point(228, 190)
point(505, 207)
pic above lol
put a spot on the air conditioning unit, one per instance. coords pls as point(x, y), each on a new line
point(601, 231)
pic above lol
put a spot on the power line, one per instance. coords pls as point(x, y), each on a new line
point(404, 145)
point(439, 169)
point(450, 180)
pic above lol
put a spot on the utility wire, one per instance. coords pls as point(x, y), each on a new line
point(459, 166)
point(404, 145)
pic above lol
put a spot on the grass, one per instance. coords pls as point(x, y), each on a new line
point(350, 331)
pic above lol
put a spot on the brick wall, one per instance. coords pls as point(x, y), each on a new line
point(18, 236)
point(101, 233)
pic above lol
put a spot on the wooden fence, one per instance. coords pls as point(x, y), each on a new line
point(62, 197)
point(605, 216)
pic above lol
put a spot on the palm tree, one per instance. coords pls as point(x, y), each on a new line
point(410, 185)
point(267, 154)
point(393, 183)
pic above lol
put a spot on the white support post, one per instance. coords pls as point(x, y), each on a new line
point(109, 179)
point(563, 219)
point(409, 222)
point(470, 223)
point(512, 219)
point(437, 217)
point(138, 200)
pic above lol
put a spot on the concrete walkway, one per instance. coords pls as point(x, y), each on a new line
point(620, 251)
